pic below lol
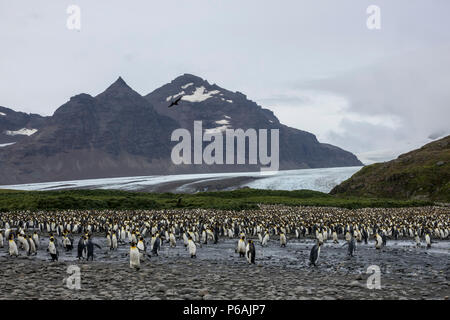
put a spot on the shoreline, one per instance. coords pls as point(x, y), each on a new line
point(219, 274)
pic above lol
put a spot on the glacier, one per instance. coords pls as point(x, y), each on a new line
point(322, 179)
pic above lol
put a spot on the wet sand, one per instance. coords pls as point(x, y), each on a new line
point(407, 272)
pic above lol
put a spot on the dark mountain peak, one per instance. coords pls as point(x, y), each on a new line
point(81, 97)
point(118, 89)
point(76, 104)
point(188, 83)
point(121, 133)
point(3, 110)
point(120, 82)
point(185, 84)
point(189, 78)
point(7, 113)
point(11, 120)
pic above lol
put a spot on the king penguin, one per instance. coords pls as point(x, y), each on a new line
point(26, 245)
point(172, 240)
point(108, 241)
point(12, 246)
point(185, 239)
point(428, 240)
point(417, 239)
point(36, 239)
point(378, 241)
point(335, 237)
point(320, 238)
point(241, 247)
point(81, 247)
point(265, 239)
point(52, 249)
point(156, 245)
point(32, 245)
point(250, 252)
point(113, 241)
point(135, 262)
point(192, 247)
point(315, 252)
point(90, 248)
point(282, 239)
point(351, 246)
point(141, 247)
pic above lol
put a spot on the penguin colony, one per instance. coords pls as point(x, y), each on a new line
point(145, 231)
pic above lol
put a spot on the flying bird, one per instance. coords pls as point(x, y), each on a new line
point(175, 103)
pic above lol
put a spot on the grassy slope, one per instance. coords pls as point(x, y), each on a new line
point(420, 174)
point(237, 200)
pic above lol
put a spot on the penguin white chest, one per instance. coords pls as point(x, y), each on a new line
point(248, 253)
point(13, 248)
point(241, 246)
point(172, 239)
point(134, 258)
point(51, 248)
point(192, 248)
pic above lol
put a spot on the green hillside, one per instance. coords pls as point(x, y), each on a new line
point(228, 200)
point(420, 174)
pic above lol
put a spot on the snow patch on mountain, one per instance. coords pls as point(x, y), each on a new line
point(224, 121)
point(225, 124)
point(216, 130)
point(200, 94)
point(175, 96)
point(2, 114)
point(187, 85)
point(6, 144)
point(23, 131)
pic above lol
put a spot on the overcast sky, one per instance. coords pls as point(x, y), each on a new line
point(377, 93)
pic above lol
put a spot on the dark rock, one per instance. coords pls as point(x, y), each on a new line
point(121, 133)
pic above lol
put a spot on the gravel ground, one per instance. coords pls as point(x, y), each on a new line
point(218, 273)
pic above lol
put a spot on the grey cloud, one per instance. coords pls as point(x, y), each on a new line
point(412, 87)
point(285, 99)
point(258, 47)
point(375, 142)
